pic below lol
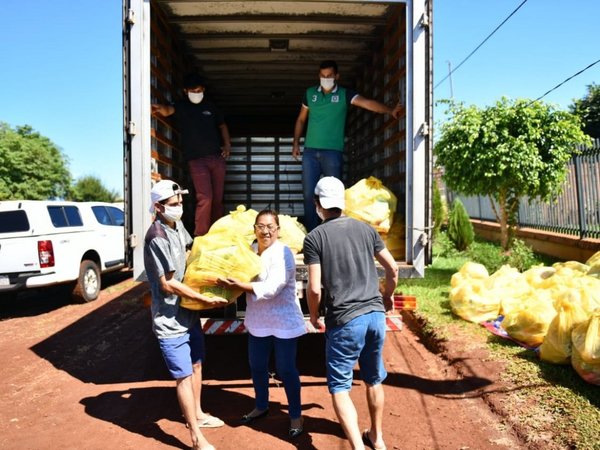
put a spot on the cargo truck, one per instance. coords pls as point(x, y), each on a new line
point(258, 57)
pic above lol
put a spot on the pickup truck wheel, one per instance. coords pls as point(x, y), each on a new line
point(87, 288)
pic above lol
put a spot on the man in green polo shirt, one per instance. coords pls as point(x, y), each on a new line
point(325, 107)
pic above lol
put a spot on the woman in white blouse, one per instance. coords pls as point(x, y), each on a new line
point(274, 320)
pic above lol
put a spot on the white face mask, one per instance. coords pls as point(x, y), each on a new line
point(172, 213)
point(327, 83)
point(195, 97)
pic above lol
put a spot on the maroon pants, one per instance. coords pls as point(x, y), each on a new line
point(208, 176)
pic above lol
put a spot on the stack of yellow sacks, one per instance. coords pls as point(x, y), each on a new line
point(225, 251)
point(556, 308)
point(370, 201)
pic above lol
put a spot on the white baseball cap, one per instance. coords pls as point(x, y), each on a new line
point(331, 193)
point(163, 190)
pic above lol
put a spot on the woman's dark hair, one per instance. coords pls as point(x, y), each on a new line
point(267, 212)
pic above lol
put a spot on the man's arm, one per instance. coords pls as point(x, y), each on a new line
point(313, 293)
point(170, 285)
point(298, 130)
point(226, 149)
point(375, 106)
point(388, 263)
point(163, 110)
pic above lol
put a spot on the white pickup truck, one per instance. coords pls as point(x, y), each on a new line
point(44, 243)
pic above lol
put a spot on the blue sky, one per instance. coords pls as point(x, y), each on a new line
point(61, 65)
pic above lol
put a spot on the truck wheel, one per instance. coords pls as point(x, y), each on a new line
point(88, 283)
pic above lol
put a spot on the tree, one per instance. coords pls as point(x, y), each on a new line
point(508, 151)
point(460, 228)
point(438, 212)
point(90, 188)
point(32, 167)
point(588, 110)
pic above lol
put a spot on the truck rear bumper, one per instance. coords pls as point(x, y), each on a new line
point(16, 282)
point(236, 326)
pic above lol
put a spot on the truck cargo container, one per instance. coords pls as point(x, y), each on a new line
point(258, 58)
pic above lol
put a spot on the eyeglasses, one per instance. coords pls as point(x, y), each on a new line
point(261, 227)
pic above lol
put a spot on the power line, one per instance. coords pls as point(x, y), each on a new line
point(482, 42)
point(563, 82)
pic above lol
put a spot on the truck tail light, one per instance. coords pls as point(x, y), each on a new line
point(46, 254)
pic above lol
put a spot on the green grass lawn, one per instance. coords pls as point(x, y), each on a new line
point(545, 399)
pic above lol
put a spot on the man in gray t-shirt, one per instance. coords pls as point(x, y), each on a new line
point(177, 329)
point(340, 255)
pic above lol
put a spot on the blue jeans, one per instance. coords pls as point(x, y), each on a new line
point(259, 353)
point(360, 340)
point(315, 163)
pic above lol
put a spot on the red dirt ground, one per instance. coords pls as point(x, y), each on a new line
point(91, 377)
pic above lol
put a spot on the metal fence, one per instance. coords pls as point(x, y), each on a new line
point(576, 211)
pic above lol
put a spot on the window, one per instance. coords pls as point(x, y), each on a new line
point(117, 215)
point(65, 216)
point(109, 215)
point(13, 221)
point(101, 215)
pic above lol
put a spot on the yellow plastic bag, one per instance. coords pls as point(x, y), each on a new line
point(370, 201)
point(469, 271)
point(594, 265)
point(586, 349)
point(556, 347)
point(219, 255)
point(470, 300)
point(395, 238)
point(594, 259)
point(238, 223)
point(291, 232)
point(539, 276)
point(530, 322)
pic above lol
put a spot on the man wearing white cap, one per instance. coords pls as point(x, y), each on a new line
point(178, 329)
point(340, 257)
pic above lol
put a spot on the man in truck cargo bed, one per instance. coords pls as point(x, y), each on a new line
point(205, 144)
point(325, 107)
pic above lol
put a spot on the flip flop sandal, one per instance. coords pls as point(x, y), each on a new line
point(367, 441)
point(209, 422)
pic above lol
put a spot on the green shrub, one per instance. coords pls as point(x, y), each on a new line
point(460, 229)
point(520, 255)
point(487, 253)
point(443, 246)
point(439, 213)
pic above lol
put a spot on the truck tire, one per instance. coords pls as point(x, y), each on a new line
point(87, 287)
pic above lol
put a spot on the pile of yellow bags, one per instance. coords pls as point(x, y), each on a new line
point(370, 201)
point(556, 308)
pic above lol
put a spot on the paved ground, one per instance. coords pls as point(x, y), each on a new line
point(91, 377)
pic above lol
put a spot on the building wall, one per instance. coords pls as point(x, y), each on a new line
point(560, 246)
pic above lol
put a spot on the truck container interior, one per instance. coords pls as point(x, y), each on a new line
point(258, 58)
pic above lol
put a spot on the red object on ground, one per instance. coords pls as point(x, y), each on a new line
point(405, 302)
